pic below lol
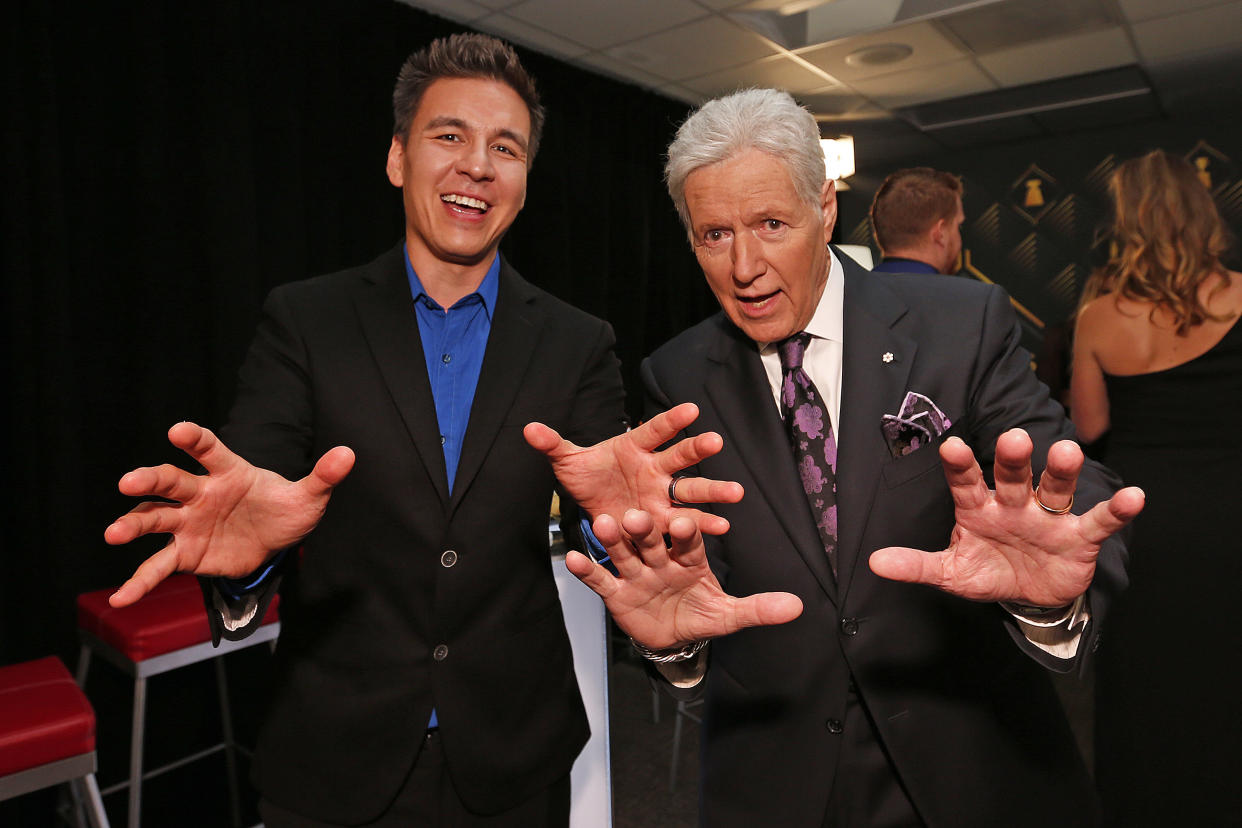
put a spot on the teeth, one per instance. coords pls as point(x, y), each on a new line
point(465, 201)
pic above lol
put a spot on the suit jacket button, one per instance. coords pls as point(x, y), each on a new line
point(440, 652)
point(849, 626)
point(834, 726)
point(448, 558)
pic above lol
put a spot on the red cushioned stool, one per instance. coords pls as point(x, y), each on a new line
point(166, 630)
point(47, 734)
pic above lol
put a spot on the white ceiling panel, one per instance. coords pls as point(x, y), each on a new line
point(498, 5)
point(929, 47)
point(1137, 10)
point(518, 31)
point(698, 48)
point(603, 23)
point(1195, 31)
point(1073, 55)
point(615, 68)
point(948, 80)
point(463, 11)
point(680, 93)
point(778, 72)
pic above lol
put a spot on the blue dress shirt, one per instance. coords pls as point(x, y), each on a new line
point(454, 341)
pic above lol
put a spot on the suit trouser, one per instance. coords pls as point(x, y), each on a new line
point(866, 793)
point(428, 799)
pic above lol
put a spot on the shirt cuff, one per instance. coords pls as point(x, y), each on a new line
point(594, 548)
point(1058, 635)
point(685, 674)
point(234, 589)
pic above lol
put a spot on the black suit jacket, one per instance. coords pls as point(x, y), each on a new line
point(379, 622)
point(968, 718)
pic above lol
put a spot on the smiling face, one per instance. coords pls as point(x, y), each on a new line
point(763, 249)
point(462, 171)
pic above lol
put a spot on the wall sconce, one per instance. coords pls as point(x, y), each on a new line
point(838, 158)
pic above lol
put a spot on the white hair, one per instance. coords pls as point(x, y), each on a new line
point(768, 120)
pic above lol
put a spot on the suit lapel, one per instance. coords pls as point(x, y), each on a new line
point(510, 346)
point(390, 325)
point(739, 391)
point(873, 383)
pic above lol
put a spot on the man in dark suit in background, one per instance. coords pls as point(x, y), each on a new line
point(866, 698)
point(424, 674)
point(916, 218)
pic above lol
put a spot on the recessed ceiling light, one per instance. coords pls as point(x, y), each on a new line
point(879, 54)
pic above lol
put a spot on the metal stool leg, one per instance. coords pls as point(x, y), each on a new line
point(230, 750)
point(87, 788)
point(84, 664)
point(135, 753)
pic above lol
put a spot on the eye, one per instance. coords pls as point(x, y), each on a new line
point(773, 224)
point(450, 137)
point(505, 149)
point(712, 238)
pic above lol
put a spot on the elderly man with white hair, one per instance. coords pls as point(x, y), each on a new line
point(902, 605)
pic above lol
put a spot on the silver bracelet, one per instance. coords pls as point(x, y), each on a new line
point(671, 655)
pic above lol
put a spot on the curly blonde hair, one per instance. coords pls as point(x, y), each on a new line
point(1167, 237)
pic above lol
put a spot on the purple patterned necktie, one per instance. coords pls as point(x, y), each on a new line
point(810, 436)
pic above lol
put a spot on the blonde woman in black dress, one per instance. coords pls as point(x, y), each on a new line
point(1158, 369)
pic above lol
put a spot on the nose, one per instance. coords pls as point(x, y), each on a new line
point(748, 259)
point(475, 161)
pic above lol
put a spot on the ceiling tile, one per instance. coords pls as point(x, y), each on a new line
point(536, 38)
point(603, 23)
point(681, 93)
point(996, 26)
point(696, 49)
point(778, 72)
point(947, 80)
point(622, 71)
point(1137, 10)
point(929, 48)
point(463, 11)
point(1073, 55)
point(1195, 31)
point(831, 102)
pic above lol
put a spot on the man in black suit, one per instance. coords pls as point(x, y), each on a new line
point(424, 674)
point(865, 698)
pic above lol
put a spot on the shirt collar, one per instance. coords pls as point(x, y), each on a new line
point(828, 321)
point(486, 291)
point(901, 264)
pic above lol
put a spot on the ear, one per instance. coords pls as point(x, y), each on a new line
point(396, 156)
point(937, 232)
point(828, 203)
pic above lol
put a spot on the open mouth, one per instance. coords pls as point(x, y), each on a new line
point(756, 304)
point(466, 203)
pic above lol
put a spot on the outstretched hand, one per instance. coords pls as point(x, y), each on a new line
point(226, 522)
point(665, 596)
point(627, 472)
point(1005, 547)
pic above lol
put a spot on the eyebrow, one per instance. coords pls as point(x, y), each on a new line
point(442, 121)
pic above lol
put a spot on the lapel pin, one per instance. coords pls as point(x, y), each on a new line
point(888, 357)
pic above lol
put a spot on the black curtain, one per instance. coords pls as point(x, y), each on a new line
point(168, 163)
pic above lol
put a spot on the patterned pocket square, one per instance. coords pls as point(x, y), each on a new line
point(917, 423)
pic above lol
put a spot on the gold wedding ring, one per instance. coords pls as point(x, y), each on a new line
point(1049, 509)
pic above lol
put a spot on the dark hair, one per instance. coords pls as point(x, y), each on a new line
point(463, 56)
point(909, 202)
point(1167, 237)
